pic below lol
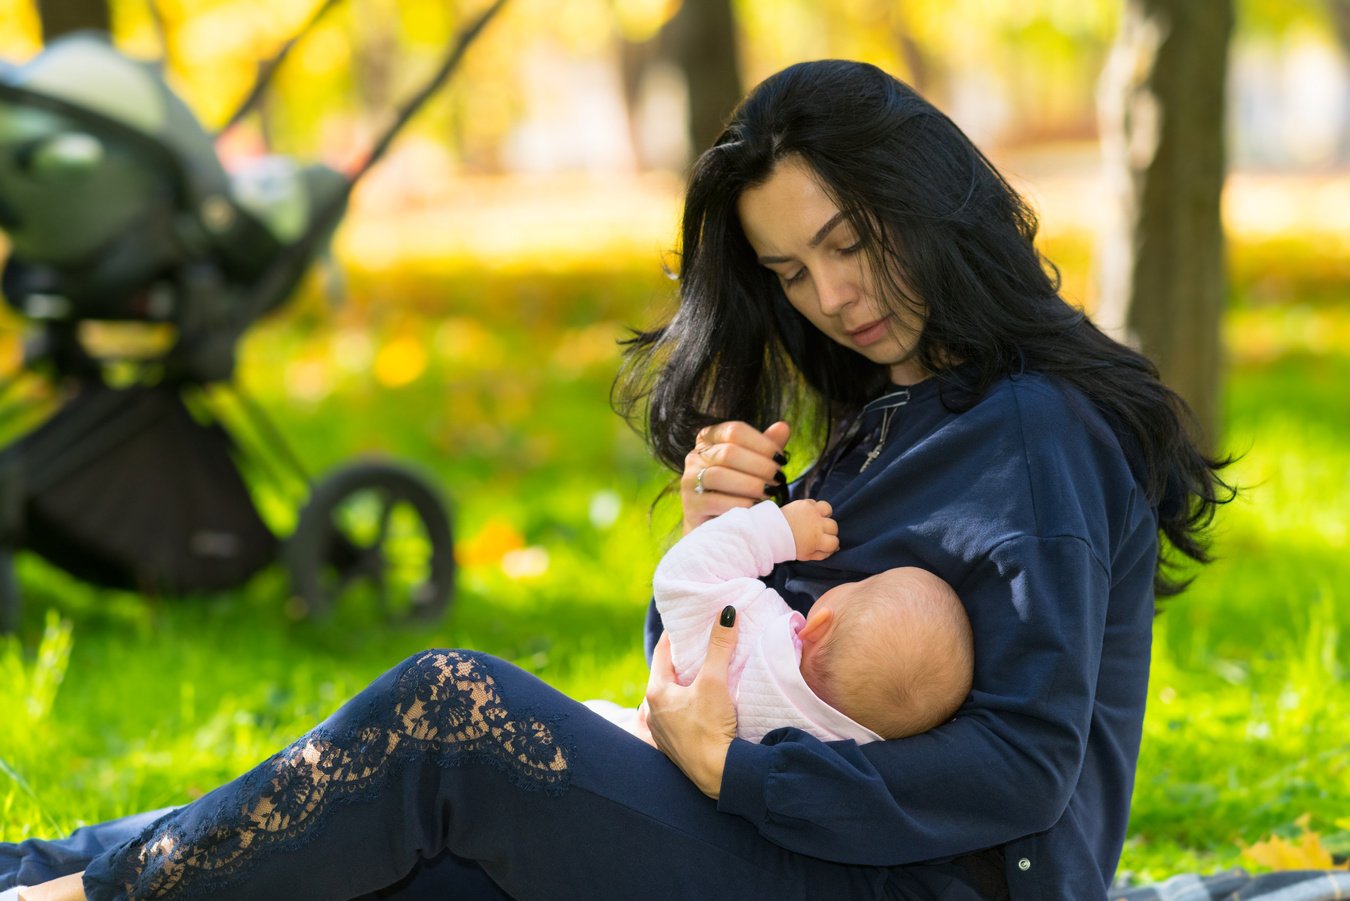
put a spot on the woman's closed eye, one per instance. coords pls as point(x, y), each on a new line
point(794, 278)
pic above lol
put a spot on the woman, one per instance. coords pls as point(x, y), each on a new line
point(850, 263)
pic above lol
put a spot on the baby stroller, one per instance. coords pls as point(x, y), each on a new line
point(117, 209)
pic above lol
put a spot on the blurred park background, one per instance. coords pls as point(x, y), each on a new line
point(527, 216)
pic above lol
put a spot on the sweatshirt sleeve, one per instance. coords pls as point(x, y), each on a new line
point(1005, 767)
point(717, 564)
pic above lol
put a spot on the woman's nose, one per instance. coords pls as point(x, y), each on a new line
point(836, 290)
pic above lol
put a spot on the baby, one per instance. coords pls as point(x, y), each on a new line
point(882, 658)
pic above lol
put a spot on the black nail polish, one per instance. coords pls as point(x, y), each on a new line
point(780, 478)
point(728, 618)
point(770, 489)
point(781, 458)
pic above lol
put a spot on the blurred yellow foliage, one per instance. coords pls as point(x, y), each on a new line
point(1305, 853)
point(20, 36)
point(352, 350)
point(593, 345)
point(468, 344)
point(1254, 337)
point(640, 20)
point(11, 351)
point(493, 542)
point(400, 362)
point(557, 224)
point(526, 563)
point(307, 379)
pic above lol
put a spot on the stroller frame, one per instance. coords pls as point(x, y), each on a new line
point(219, 276)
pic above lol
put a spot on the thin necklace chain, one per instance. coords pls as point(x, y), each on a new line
point(890, 403)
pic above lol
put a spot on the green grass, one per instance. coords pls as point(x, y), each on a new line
point(1249, 718)
point(113, 703)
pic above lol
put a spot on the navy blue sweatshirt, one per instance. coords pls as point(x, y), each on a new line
point(1027, 505)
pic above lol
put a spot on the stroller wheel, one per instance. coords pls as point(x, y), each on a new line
point(378, 531)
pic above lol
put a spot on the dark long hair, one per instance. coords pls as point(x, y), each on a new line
point(945, 234)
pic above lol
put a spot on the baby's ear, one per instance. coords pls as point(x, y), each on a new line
point(817, 623)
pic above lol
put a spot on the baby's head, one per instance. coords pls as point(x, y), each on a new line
point(893, 652)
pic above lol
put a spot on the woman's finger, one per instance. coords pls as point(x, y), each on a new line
point(723, 480)
point(732, 464)
point(663, 668)
point(640, 727)
point(662, 689)
point(740, 459)
point(721, 645)
point(744, 435)
point(778, 433)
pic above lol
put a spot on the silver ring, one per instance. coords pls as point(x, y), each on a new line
point(698, 481)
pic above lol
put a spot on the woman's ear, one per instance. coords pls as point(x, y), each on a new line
point(818, 622)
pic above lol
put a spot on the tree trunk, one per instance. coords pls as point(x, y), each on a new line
point(918, 65)
point(1161, 279)
point(703, 40)
point(635, 59)
point(60, 17)
point(1340, 21)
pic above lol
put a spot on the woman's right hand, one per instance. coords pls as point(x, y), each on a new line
point(739, 465)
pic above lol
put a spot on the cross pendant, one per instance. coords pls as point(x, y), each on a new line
point(871, 455)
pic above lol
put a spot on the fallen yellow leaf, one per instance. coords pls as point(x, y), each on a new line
point(1305, 853)
point(494, 541)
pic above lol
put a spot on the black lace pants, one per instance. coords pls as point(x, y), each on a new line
point(458, 776)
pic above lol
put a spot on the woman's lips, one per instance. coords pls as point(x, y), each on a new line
point(870, 334)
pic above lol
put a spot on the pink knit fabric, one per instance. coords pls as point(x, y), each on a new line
point(720, 563)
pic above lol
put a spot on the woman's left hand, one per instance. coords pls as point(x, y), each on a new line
point(694, 724)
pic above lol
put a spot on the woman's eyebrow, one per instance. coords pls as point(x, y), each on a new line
point(815, 239)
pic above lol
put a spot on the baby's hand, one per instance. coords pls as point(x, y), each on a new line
point(816, 534)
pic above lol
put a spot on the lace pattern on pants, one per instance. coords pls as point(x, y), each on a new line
point(448, 711)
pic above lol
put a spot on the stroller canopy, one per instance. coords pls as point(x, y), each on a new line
point(118, 208)
point(82, 117)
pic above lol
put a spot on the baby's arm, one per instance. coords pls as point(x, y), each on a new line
point(719, 563)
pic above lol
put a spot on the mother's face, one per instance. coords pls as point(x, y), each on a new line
point(800, 235)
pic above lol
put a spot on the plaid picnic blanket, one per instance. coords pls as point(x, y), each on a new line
point(1238, 885)
point(1235, 885)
